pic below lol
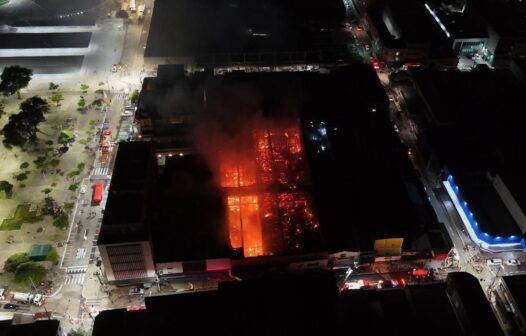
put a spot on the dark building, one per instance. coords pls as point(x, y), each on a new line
point(473, 134)
point(511, 300)
point(506, 28)
point(308, 303)
point(257, 164)
point(406, 32)
point(124, 239)
point(38, 34)
point(227, 33)
point(30, 327)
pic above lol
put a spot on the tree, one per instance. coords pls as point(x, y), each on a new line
point(2, 106)
point(134, 97)
point(84, 88)
point(53, 86)
point(53, 256)
point(14, 78)
point(78, 332)
point(30, 269)
point(57, 98)
point(13, 261)
point(7, 188)
point(23, 127)
point(62, 221)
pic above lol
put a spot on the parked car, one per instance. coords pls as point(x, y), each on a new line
point(512, 262)
point(494, 262)
point(83, 189)
point(127, 114)
point(136, 291)
point(114, 68)
point(10, 306)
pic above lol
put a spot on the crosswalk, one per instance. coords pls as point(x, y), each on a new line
point(81, 253)
point(74, 279)
point(75, 275)
point(100, 171)
point(93, 302)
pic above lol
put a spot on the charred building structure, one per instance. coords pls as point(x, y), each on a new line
point(257, 165)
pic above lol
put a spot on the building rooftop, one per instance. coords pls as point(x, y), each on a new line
point(40, 327)
point(517, 287)
point(50, 13)
point(487, 206)
point(505, 17)
point(474, 132)
point(128, 206)
point(201, 27)
point(190, 211)
point(45, 64)
point(359, 167)
point(304, 303)
point(49, 40)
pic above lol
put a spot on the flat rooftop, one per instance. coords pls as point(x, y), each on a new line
point(303, 303)
point(473, 124)
point(360, 169)
point(201, 27)
point(50, 40)
point(51, 12)
point(517, 286)
point(190, 211)
point(505, 17)
point(128, 205)
point(45, 65)
point(487, 206)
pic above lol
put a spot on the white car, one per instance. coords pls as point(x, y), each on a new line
point(127, 114)
point(494, 262)
point(83, 189)
point(512, 262)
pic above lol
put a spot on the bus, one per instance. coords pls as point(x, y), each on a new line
point(97, 193)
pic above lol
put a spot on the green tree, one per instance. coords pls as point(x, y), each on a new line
point(82, 102)
point(23, 127)
point(13, 261)
point(14, 78)
point(57, 98)
point(30, 269)
point(53, 256)
point(7, 188)
point(46, 191)
point(2, 108)
point(53, 86)
point(62, 221)
point(134, 97)
point(84, 88)
point(78, 332)
point(24, 165)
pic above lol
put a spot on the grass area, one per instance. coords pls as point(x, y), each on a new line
point(22, 215)
point(3, 2)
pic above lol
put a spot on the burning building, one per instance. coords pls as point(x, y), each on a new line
point(270, 210)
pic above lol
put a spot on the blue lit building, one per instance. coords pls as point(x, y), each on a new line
point(485, 213)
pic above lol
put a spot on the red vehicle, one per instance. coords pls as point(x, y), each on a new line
point(97, 192)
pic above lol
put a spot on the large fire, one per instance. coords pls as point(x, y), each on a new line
point(269, 208)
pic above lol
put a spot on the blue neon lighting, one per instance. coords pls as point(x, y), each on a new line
point(483, 236)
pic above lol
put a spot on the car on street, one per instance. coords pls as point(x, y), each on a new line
point(127, 114)
point(10, 306)
point(494, 262)
point(136, 291)
point(512, 262)
point(83, 189)
point(114, 68)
